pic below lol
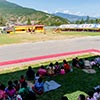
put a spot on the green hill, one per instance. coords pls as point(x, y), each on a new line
point(10, 11)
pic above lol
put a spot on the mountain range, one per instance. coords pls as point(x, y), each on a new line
point(71, 17)
point(13, 12)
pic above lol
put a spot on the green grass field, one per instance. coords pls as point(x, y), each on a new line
point(27, 37)
point(73, 83)
point(83, 33)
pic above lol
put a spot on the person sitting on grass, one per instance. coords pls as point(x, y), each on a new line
point(11, 92)
point(96, 94)
point(81, 63)
point(10, 83)
point(16, 85)
point(97, 60)
point(26, 93)
point(87, 63)
point(36, 77)
point(66, 66)
point(30, 73)
point(62, 71)
point(81, 97)
point(92, 62)
point(57, 68)
point(90, 97)
point(22, 79)
point(42, 71)
point(38, 87)
point(2, 92)
point(50, 70)
point(18, 97)
point(75, 62)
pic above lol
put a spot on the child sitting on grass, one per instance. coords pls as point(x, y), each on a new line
point(57, 68)
point(62, 71)
point(22, 79)
point(38, 87)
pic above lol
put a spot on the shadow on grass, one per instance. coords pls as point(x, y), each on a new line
point(72, 83)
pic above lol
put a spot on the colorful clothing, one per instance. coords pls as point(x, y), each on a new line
point(42, 72)
point(2, 94)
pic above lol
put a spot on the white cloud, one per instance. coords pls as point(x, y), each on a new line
point(81, 13)
point(95, 14)
point(74, 13)
point(70, 12)
point(45, 11)
point(67, 12)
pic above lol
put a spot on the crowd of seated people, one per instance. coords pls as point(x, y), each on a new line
point(49, 70)
point(85, 63)
point(54, 69)
point(16, 91)
point(20, 90)
point(23, 92)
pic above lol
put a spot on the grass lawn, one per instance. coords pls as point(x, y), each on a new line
point(27, 37)
point(83, 33)
point(73, 83)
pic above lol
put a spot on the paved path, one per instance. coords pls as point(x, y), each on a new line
point(31, 50)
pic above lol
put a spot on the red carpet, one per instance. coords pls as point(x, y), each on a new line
point(48, 56)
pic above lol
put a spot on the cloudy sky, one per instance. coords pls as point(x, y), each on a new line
point(77, 7)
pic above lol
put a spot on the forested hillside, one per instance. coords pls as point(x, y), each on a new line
point(12, 12)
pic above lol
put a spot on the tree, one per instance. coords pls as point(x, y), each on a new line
point(96, 21)
point(28, 21)
point(2, 21)
point(82, 21)
point(92, 21)
point(87, 19)
point(77, 22)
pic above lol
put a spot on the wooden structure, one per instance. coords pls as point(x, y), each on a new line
point(25, 28)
